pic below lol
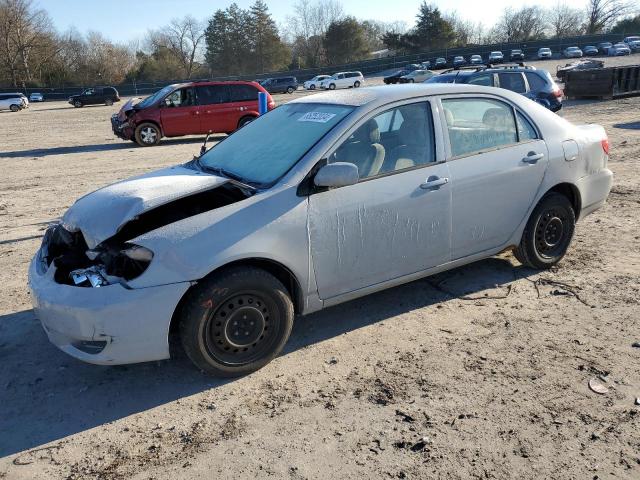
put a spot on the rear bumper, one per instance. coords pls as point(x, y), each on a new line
point(594, 190)
point(109, 325)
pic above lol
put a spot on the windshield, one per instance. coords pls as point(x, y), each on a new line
point(151, 99)
point(265, 149)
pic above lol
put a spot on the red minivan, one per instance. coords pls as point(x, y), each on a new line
point(189, 109)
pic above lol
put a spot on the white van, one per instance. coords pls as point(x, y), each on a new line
point(343, 80)
point(13, 101)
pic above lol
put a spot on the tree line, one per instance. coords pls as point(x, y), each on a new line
point(237, 41)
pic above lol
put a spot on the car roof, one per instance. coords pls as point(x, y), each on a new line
point(382, 95)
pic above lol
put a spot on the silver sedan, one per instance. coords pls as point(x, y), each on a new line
point(322, 200)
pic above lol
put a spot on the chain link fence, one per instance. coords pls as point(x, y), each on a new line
point(371, 67)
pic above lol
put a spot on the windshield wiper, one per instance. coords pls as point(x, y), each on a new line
point(226, 173)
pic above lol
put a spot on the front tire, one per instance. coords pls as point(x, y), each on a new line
point(14, 108)
point(77, 104)
point(236, 322)
point(332, 86)
point(356, 84)
point(290, 90)
point(147, 135)
point(548, 233)
point(312, 87)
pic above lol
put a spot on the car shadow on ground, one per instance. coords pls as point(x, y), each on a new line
point(48, 395)
point(628, 126)
point(101, 147)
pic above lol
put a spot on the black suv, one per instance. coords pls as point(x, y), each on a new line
point(534, 84)
point(95, 96)
point(280, 85)
point(395, 77)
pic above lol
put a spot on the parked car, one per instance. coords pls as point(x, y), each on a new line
point(590, 50)
point(36, 97)
point(425, 65)
point(189, 109)
point(412, 66)
point(345, 201)
point(440, 63)
point(528, 81)
point(417, 76)
point(280, 85)
point(633, 42)
point(13, 101)
point(458, 61)
point(395, 77)
point(619, 49)
point(475, 60)
point(95, 96)
point(315, 82)
point(343, 80)
point(516, 55)
point(604, 47)
point(544, 52)
point(572, 52)
point(496, 57)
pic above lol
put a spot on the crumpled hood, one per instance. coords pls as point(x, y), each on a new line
point(100, 214)
point(122, 113)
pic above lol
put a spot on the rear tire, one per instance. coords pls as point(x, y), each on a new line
point(147, 135)
point(108, 102)
point(548, 233)
point(244, 121)
point(236, 322)
point(14, 108)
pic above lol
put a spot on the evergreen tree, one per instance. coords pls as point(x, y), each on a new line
point(345, 41)
point(269, 53)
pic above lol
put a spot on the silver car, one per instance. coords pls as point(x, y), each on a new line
point(325, 199)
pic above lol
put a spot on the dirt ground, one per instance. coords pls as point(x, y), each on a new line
point(481, 372)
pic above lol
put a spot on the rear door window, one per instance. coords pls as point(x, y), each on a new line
point(513, 82)
point(484, 79)
point(212, 94)
point(478, 124)
point(536, 83)
point(242, 93)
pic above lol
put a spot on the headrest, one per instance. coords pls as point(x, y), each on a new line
point(449, 116)
point(495, 117)
point(369, 132)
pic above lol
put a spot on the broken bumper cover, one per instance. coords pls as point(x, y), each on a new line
point(109, 325)
point(121, 129)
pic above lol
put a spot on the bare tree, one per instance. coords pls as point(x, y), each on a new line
point(566, 21)
point(466, 32)
point(185, 38)
point(526, 23)
point(307, 27)
point(601, 14)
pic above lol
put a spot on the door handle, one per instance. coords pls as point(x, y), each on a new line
point(433, 183)
point(533, 157)
point(197, 112)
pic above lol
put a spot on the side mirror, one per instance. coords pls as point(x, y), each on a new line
point(338, 174)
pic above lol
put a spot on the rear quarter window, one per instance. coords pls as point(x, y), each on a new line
point(536, 82)
point(243, 93)
point(513, 82)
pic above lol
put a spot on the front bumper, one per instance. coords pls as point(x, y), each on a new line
point(121, 325)
point(121, 129)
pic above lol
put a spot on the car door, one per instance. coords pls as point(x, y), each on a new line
point(497, 163)
point(180, 114)
point(396, 220)
point(217, 113)
point(244, 101)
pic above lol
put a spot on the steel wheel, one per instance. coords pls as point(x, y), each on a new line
point(243, 329)
point(550, 232)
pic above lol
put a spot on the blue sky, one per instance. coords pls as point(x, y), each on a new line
point(123, 21)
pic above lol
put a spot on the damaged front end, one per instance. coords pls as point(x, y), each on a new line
point(106, 264)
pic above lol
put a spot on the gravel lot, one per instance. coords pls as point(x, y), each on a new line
point(480, 372)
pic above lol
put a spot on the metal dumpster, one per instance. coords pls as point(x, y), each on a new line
point(603, 82)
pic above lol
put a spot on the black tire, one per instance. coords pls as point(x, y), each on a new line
point(290, 90)
point(147, 134)
point(356, 84)
point(312, 86)
point(332, 86)
point(236, 322)
point(77, 104)
point(108, 102)
point(411, 80)
point(548, 233)
point(245, 120)
point(14, 108)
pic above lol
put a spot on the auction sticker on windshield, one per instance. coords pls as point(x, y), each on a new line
point(318, 117)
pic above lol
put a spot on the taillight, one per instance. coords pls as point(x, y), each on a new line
point(605, 145)
point(557, 92)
